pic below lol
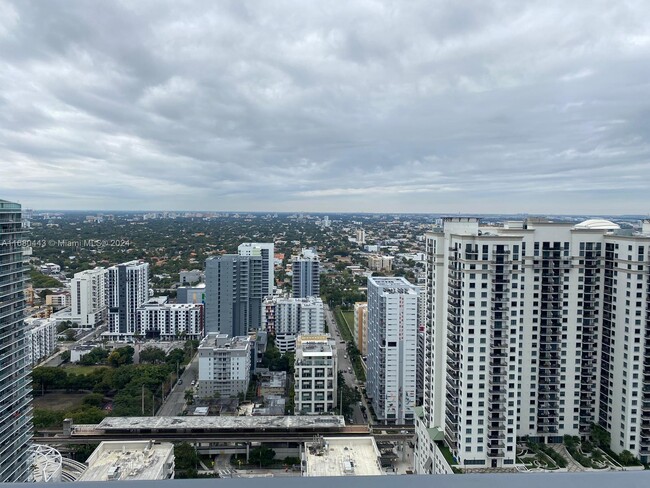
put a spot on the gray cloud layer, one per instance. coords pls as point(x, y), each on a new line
point(539, 106)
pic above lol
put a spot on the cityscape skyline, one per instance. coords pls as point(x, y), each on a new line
point(373, 106)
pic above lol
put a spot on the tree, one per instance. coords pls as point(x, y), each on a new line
point(627, 458)
point(93, 400)
point(262, 455)
point(186, 457)
point(153, 355)
point(189, 396)
point(70, 334)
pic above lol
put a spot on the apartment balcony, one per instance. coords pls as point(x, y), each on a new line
point(497, 381)
point(497, 418)
point(496, 435)
point(501, 288)
point(496, 453)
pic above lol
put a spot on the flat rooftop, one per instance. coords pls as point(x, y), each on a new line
point(122, 461)
point(221, 423)
point(343, 456)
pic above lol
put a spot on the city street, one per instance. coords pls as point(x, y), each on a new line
point(176, 399)
point(344, 363)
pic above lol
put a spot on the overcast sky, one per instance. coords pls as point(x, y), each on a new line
point(399, 106)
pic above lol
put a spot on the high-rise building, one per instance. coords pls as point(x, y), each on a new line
point(224, 365)
point(315, 375)
point(15, 385)
point(267, 251)
point(360, 332)
point(361, 236)
point(127, 288)
point(392, 348)
point(306, 274)
point(88, 297)
point(535, 329)
point(233, 294)
point(378, 262)
point(41, 338)
point(287, 318)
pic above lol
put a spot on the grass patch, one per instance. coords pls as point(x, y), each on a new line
point(80, 369)
point(447, 454)
point(342, 323)
point(59, 401)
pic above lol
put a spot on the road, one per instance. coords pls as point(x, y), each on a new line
point(344, 363)
point(175, 401)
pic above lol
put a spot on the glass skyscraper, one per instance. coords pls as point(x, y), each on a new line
point(15, 389)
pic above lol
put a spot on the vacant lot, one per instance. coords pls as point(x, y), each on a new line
point(59, 401)
point(79, 369)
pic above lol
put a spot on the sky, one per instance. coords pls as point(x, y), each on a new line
point(374, 106)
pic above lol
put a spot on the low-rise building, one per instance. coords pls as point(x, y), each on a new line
point(273, 383)
point(77, 352)
point(50, 268)
point(58, 300)
point(130, 461)
point(342, 456)
point(191, 277)
point(315, 375)
point(224, 365)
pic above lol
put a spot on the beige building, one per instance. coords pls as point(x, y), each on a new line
point(378, 262)
point(360, 327)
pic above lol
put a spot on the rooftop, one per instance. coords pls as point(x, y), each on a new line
point(220, 423)
point(343, 456)
point(131, 460)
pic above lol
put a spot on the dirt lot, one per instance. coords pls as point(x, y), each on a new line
point(58, 401)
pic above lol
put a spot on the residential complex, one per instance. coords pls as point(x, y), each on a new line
point(267, 251)
point(392, 348)
point(360, 328)
point(378, 262)
point(233, 294)
point(315, 375)
point(15, 382)
point(535, 329)
point(305, 274)
point(127, 288)
point(88, 298)
point(41, 338)
point(169, 321)
point(224, 365)
point(289, 317)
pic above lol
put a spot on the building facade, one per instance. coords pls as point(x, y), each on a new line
point(535, 329)
point(224, 366)
point(315, 375)
point(392, 348)
point(88, 298)
point(127, 288)
point(360, 331)
point(170, 321)
point(15, 382)
point(233, 294)
point(41, 339)
point(305, 274)
point(379, 262)
point(290, 317)
point(267, 251)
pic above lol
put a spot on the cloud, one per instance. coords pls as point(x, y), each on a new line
point(500, 106)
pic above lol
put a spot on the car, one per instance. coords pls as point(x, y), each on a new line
point(193, 382)
point(180, 382)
